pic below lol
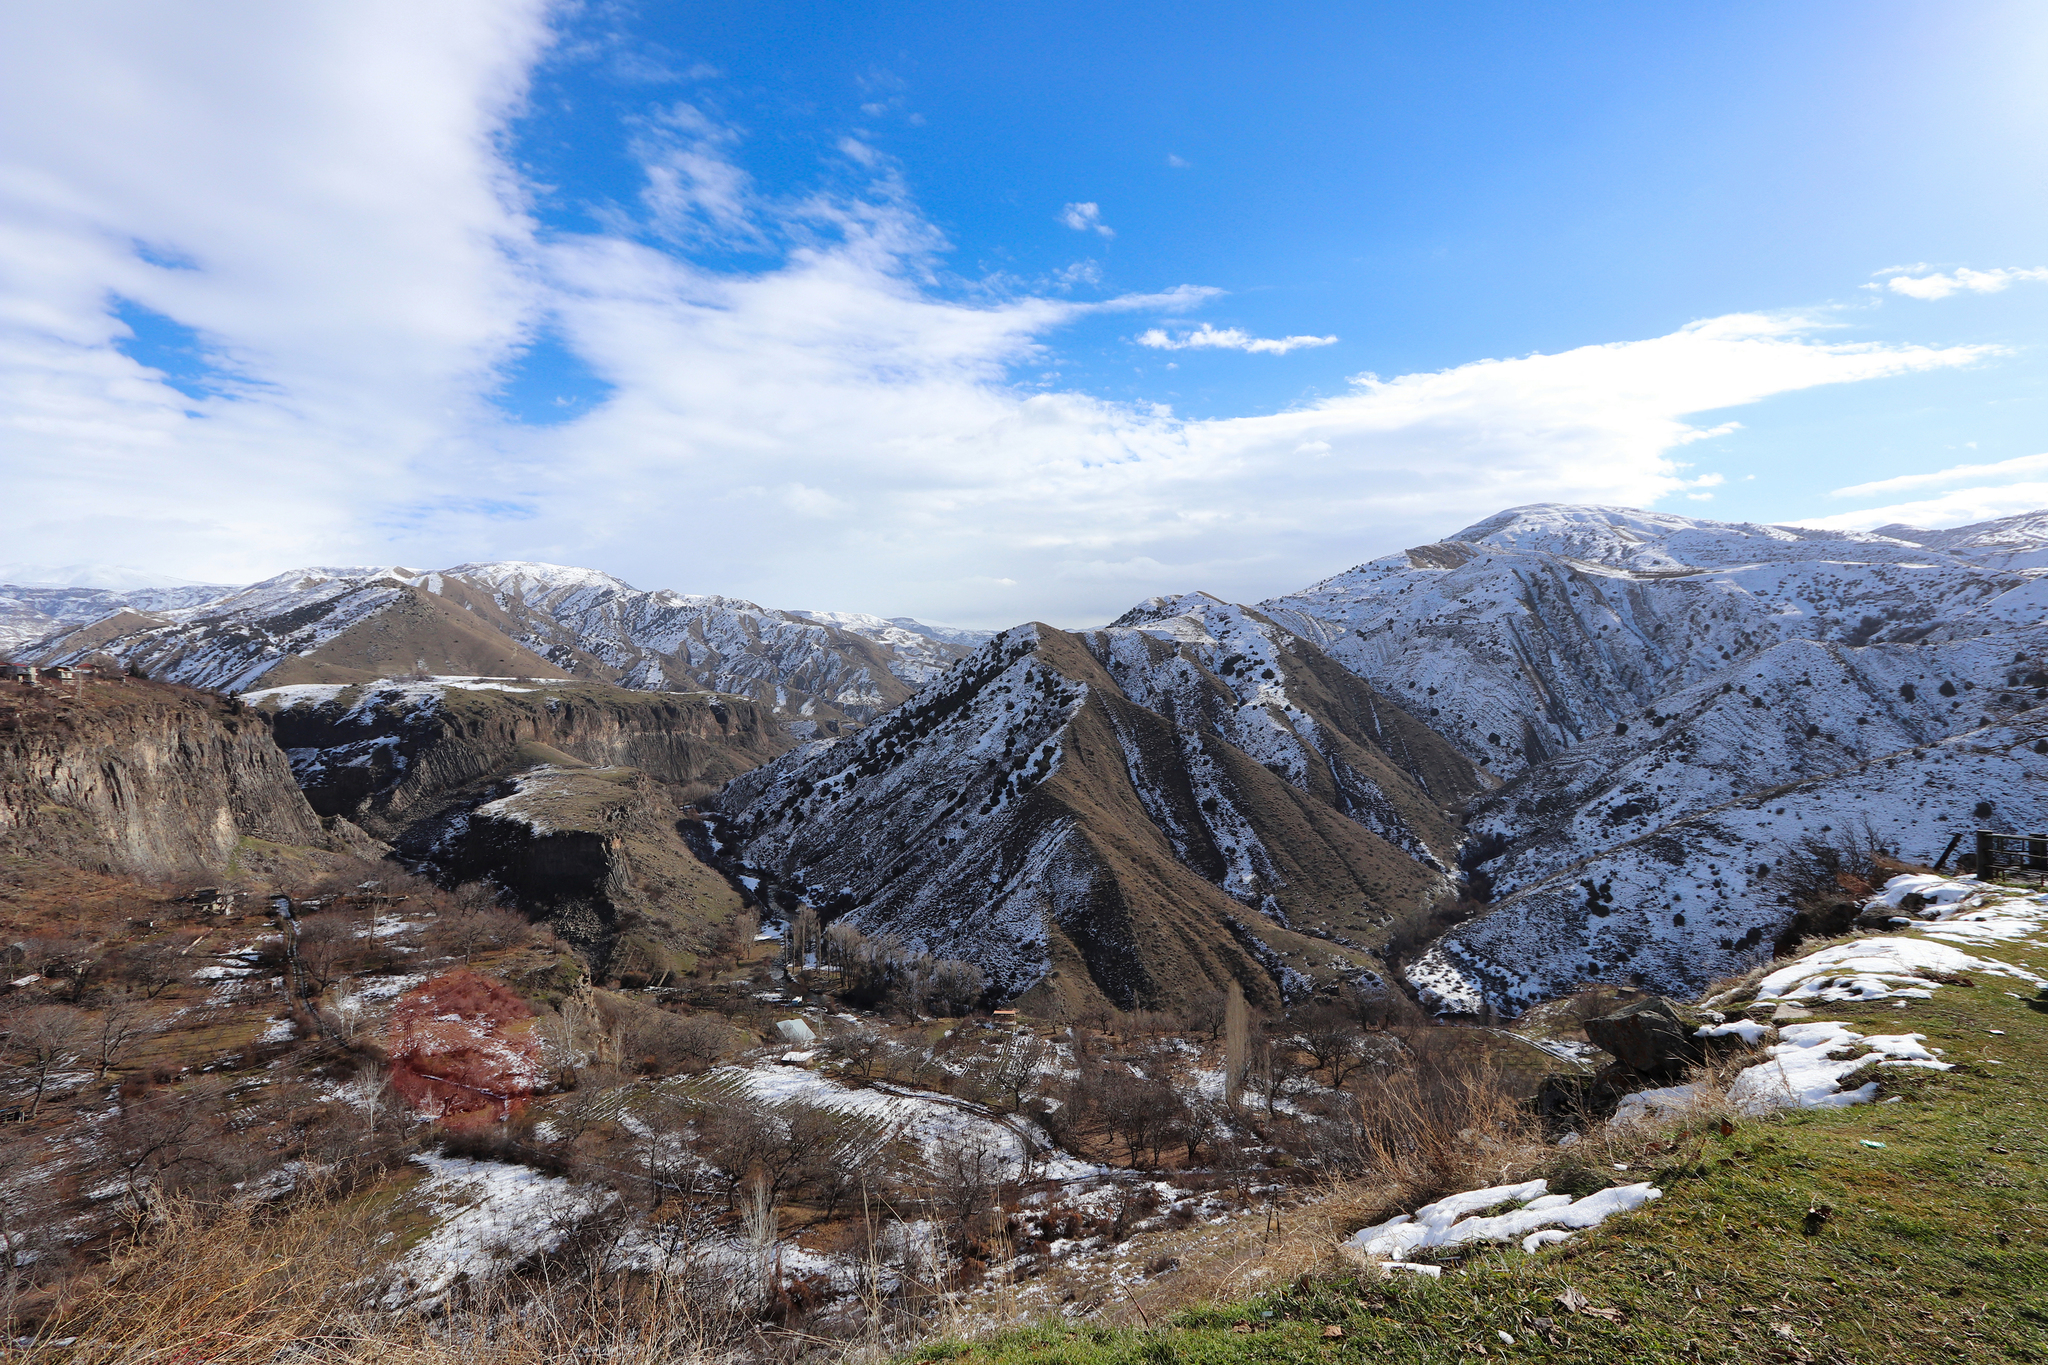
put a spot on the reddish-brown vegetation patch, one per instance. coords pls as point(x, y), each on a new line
point(460, 1045)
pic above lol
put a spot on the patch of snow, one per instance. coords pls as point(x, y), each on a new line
point(1878, 969)
point(1748, 1030)
point(1646, 1105)
point(1932, 888)
point(1805, 1073)
point(489, 1216)
point(1445, 1224)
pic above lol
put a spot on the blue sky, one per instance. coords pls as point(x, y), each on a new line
point(981, 312)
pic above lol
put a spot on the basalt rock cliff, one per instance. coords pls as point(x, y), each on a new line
point(148, 780)
point(571, 797)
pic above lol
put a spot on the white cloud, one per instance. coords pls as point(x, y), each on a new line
point(1086, 218)
point(826, 429)
point(1177, 163)
point(353, 242)
point(1940, 285)
point(2024, 464)
point(1958, 508)
point(1227, 339)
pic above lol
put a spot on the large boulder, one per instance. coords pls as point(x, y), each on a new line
point(1652, 1036)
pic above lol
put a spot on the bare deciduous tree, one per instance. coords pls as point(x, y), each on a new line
point(156, 966)
point(42, 1040)
point(1331, 1034)
point(478, 925)
point(114, 1031)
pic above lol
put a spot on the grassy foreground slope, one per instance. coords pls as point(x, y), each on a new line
point(1914, 1230)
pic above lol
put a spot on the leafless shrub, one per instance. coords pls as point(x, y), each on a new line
point(115, 1028)
point(1825, 877)
point(656, 1042)
point(1144, 1111)
point(475, 924)
point(862, 1050)
point(967, 1175)
point(1445, 1123)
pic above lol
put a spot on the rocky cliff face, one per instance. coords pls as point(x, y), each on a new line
point(145, 779)
point(392, 753)
point(1134, 815)
point(603, 854)
point(569, 796)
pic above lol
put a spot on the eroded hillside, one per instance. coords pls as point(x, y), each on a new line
point(1136, 814)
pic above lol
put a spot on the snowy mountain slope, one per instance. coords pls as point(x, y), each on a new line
point(309, 625)
point(2018, 542)
point(1692, 900)
point(30, 613)
point(118, 579)
point(1028, 811)
point(664, 640)
point(892, 630)
point(503, 619)
point(1797, 711)
point(1545, 626)
point(1625, 538)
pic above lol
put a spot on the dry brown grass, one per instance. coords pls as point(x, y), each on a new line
point(249, 1283)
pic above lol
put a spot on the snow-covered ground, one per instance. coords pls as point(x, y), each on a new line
point(488, 1216)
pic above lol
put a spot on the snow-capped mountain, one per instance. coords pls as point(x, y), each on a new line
point(2019, 542)
point(1613, 721)
point(1138, 814)
point(1668, 674)
point(902, 634)
point(1546, 626)
point(29, 613)
point(357, 624)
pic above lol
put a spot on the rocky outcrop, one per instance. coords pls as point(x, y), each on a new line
point(392, 754)
point(600, 854)
point(1652, 1037)
point(569, 796)
point(145, 779)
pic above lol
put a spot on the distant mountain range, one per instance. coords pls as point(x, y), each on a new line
point(1614, 724)
point(499, 619)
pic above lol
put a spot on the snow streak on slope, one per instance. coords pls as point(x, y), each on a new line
point(1546, 626)
point(1693, 900)
point(1263, 706)
point(1088, 795)
point(933, 784)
